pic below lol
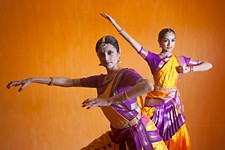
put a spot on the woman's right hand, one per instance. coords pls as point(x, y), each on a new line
point(92, 102)
point(23, 83)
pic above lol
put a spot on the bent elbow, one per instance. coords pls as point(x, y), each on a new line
point(210, 65)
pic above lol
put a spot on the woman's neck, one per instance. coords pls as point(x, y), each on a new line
point(165, 54)
point(111, 73)
point(113, 70)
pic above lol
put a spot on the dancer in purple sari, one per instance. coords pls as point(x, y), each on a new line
point(118, 92)
point(163, 105)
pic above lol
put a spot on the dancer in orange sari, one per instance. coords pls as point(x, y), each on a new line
point(118, 91)
point(163, 105)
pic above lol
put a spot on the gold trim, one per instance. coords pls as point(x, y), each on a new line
point(164, 88)
point(123, 125)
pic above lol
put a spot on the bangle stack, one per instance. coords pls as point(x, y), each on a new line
point(51, 81)
point(121, 30)
point(125, 96)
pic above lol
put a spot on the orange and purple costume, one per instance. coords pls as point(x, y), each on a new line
point(163, 105)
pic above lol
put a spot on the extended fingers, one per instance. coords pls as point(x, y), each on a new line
point(103, 14)
point(89, 103)
point(13, 83)
point(9, 85)
point(24, 83)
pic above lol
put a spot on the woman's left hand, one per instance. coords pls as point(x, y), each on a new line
point(92, 102)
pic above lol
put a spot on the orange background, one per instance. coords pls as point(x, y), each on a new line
point(42, 38)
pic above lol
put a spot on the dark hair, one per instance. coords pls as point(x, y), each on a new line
point(163, 32)
point(108, 40)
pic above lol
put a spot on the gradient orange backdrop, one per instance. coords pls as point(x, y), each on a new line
point(42, 38)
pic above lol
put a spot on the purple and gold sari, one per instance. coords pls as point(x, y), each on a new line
point(163, 105)
point(130, 129)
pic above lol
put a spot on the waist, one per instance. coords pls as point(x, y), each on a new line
point(167, 89)
point(160, 96)
point(122, 125)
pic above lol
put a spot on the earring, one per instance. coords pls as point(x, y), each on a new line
point(119, 61)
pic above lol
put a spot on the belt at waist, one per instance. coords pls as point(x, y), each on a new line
point(122, 125)
point(167, 89)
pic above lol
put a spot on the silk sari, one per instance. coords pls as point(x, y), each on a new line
point(130, 129)
point(164, 106)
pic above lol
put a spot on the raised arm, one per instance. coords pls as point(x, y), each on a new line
point(64, 82)
point(127, 37)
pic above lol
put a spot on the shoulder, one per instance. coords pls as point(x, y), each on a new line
point(93, 77)
point(130, 75)
point(152, 56)
point(183, 60)
point(91, 81)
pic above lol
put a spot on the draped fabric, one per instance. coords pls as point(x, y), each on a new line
point(130, 129)
point(163, 105)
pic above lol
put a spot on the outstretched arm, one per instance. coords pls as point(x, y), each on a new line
point(132, 42)
point(142, 86)
point(64, 82)
point(194, 66)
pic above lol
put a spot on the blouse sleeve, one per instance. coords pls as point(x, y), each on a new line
point(186, 60)
point(91, 81)
point(130, 77)
point(153, 61)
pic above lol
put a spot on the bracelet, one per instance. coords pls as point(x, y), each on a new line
point(191, 68)
point(120, 30)
point(125, 96)
point(139, 52)
point(51, 81)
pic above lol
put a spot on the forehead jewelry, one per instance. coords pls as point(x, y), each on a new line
point(103, 44)
point(103, 39)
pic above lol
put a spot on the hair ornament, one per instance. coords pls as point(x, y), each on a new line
point(103, 44)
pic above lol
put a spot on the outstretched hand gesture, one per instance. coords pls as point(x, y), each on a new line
point(23, 83)
point(107, 17)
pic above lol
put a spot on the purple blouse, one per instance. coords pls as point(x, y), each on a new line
point(153, 61)
point(128, 80)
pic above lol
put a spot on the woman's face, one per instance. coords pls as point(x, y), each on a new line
point(167, 43)
point(108, 56)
